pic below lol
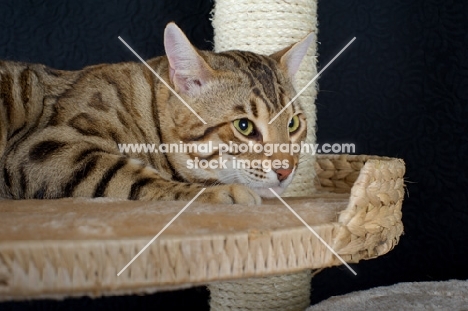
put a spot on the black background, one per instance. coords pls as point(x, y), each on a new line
point(400, 90)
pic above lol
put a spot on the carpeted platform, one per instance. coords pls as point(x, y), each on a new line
point(450, 295)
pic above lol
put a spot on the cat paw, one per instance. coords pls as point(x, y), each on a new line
point(231, 194)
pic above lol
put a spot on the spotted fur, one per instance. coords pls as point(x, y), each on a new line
point(60, 130)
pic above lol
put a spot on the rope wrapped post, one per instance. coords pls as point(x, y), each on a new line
point(283, 293)
point(265, 27)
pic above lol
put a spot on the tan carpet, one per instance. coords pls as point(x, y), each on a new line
point(450, 295)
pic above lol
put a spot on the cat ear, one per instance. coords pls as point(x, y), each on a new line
point(188, 70)
point(291, 57)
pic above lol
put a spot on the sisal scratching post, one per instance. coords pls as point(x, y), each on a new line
point(265, 27)
point(285, 292)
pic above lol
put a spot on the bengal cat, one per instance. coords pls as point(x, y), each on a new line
point(60, 130)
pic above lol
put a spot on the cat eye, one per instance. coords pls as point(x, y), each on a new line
point(244, 126)
point(293, 124)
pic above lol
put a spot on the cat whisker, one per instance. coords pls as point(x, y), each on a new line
point(228, 178)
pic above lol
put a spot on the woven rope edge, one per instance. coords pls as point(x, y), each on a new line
point(367, 228)
point(371, 224)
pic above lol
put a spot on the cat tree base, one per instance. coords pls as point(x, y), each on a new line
point(286, 292)
point(75, 247)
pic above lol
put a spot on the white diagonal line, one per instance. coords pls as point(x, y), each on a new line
point(313, 231)
point(165, 83)
point(311, 81)
point(162, 230)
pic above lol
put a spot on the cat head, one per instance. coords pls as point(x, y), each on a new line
point(237, 93)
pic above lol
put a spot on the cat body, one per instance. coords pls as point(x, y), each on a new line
point(60, 130)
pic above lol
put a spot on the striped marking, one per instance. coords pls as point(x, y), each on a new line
point(264, 76)
point(79, 175)
point(17, 131)
point(250, 77)
point(256, 91)
point(23, 184)
point(85, 153)
point(98, 103)
point(239, 109)
point(85, 125)
point(122, 119)
point(26, 88)
point(126, 103)
point(7, 177)
point(253, 107)
point(6, 93)
point(175, 175)
point(101, 187)
point(45, 149)
point(137, 186)
point(208, 131)
point(231, 58)
point(54, 118)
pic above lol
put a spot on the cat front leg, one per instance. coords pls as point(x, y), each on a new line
point(128, 178)
point(51, 168)
point(145, 183)
point(231, 194)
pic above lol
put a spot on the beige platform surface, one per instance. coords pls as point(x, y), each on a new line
point(69, 247)
point(104, 219)
point(75, 247)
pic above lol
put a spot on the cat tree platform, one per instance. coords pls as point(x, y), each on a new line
point(75, 247)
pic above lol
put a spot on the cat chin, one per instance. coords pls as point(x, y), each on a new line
point(266, 193)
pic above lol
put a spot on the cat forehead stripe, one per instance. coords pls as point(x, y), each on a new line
point(162, 80)
point(313, 79)
point(261, 76)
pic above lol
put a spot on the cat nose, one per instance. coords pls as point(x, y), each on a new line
point(283, 173)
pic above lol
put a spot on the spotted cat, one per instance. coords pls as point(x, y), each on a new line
point(60, 131)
